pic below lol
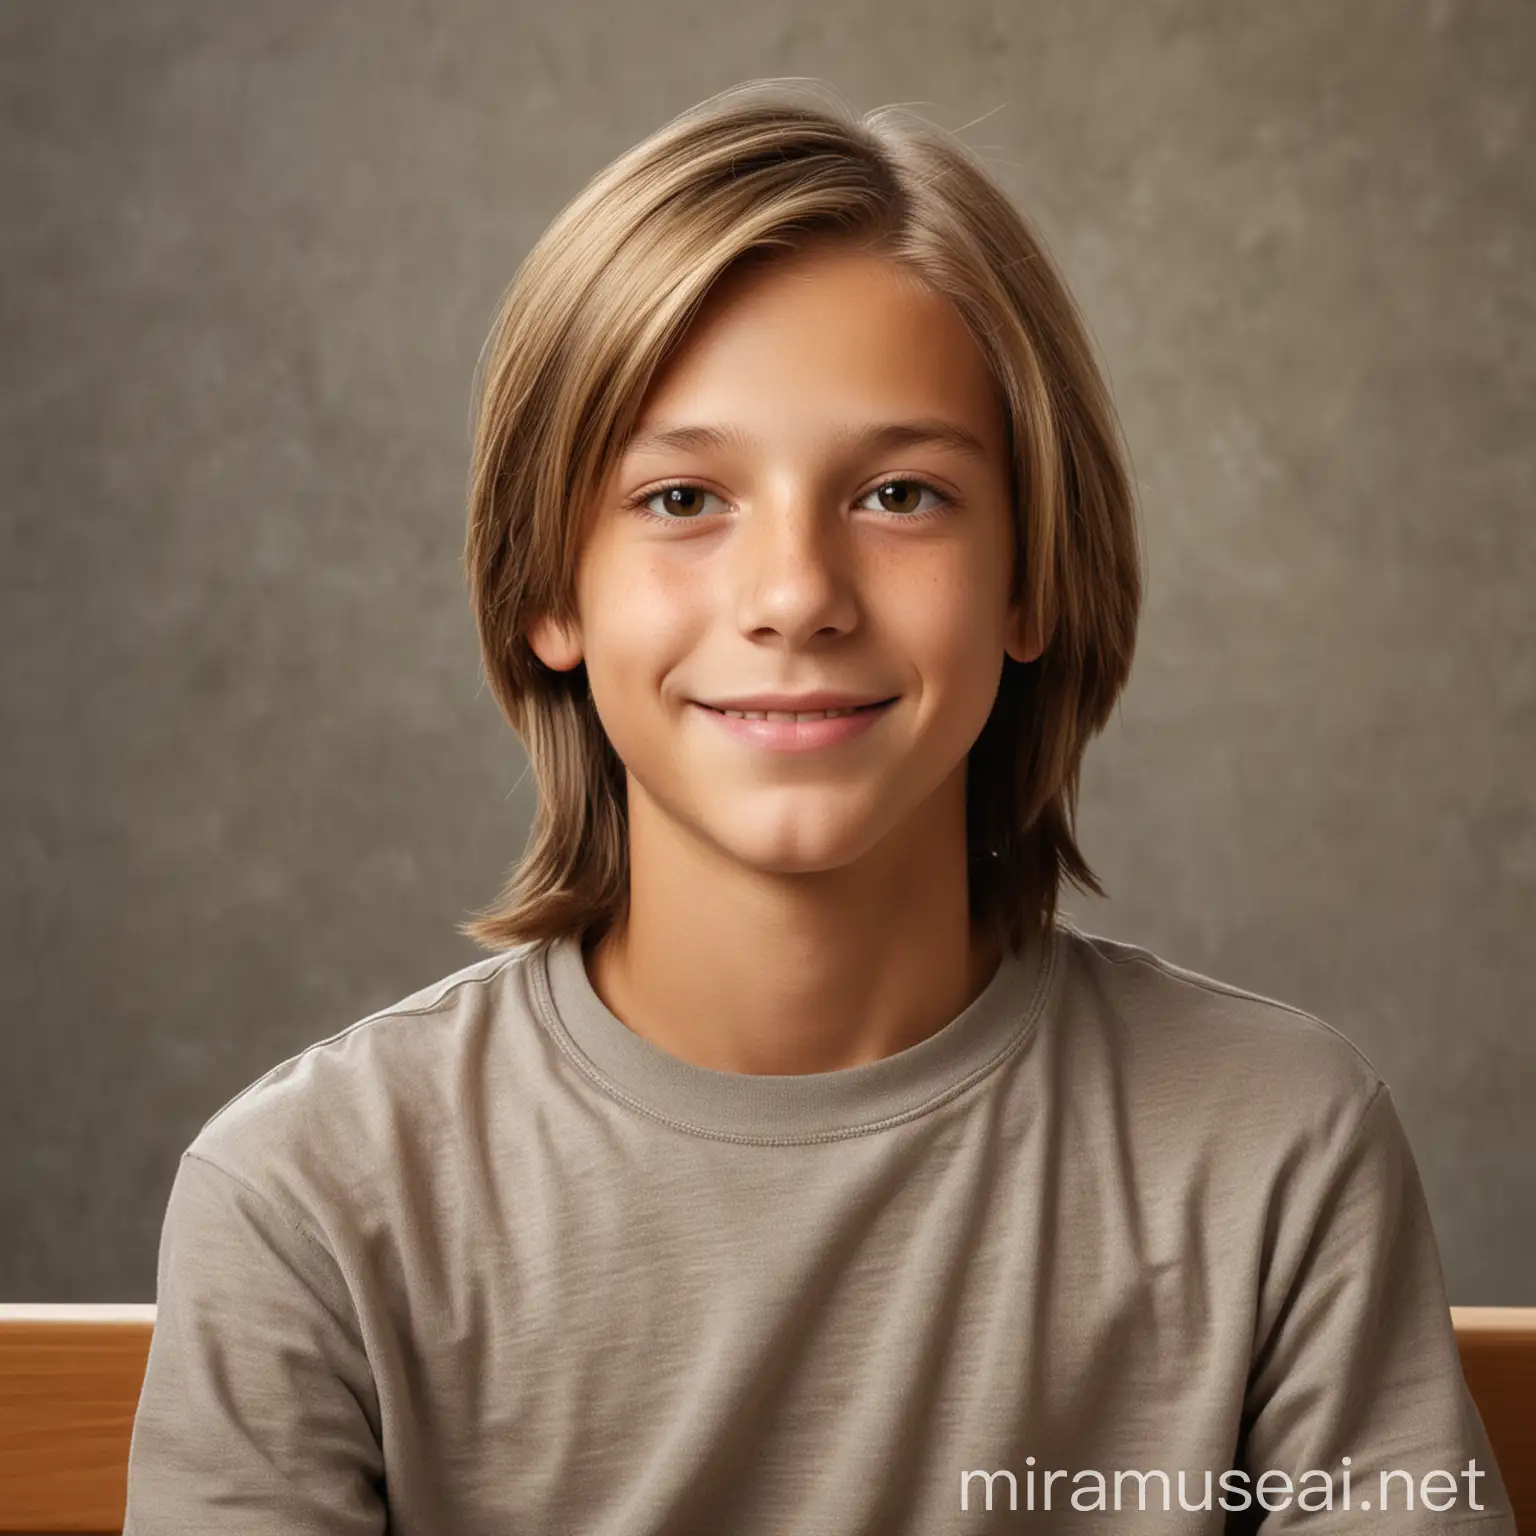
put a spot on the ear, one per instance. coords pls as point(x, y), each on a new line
point(558, 646)
point(1024, 641)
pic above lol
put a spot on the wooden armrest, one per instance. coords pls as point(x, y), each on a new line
point(69, 1388)
point(1498, 1355)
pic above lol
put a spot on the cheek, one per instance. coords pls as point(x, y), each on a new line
point(641, 617)
point(948, 622)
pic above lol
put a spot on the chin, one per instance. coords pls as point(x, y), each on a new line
point(801, 850)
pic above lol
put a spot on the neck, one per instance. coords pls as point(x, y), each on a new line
point(731, 968)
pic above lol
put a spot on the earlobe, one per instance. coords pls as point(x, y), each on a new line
point(556, 645)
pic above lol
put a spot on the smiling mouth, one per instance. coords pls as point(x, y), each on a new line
point(788, 715)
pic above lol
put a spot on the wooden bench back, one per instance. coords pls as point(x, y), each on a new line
point(70, 1379)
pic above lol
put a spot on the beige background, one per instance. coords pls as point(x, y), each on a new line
point(251, 780)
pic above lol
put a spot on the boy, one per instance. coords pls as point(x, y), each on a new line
point(791, 1165)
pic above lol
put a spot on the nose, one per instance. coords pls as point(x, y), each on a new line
point(793, 571)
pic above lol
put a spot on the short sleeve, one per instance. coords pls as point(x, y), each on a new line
point(1359, 1361)
point(258, 1415)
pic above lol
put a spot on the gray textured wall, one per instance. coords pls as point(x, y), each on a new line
point(251, 779)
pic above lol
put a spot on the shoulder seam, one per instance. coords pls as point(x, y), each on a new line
point(450, 986)
point(1223, 989)
point(1379, 1094)
point(289, 1220)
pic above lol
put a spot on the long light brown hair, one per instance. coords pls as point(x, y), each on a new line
point(596, 308)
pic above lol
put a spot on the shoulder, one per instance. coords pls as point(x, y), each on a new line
point(343, 1110)
point(1193, 1052)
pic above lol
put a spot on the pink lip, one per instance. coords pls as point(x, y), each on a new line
point(798, 735)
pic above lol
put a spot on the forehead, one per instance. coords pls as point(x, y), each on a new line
point(801, 334)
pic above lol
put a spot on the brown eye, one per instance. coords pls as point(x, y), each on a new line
point(904, 496)
point(681, 503)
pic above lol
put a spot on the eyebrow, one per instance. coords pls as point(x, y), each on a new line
point(883, 435)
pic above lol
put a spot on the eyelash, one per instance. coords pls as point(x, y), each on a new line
point(636, 503)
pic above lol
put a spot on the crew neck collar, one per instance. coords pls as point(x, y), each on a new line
point(815, 1106)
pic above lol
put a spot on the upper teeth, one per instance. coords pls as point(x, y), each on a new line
point(782, 714)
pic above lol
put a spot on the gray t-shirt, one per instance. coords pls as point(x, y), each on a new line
point(488, 1263)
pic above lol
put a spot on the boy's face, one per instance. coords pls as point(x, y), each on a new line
point(794, 560)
